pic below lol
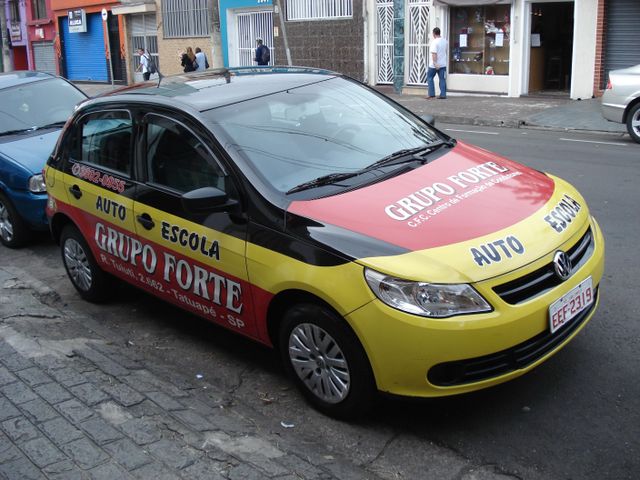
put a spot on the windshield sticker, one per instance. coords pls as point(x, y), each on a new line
point(171, 275)
point(94, 176)
point(193, 240)
point(431, 200)
point(496, 251)
point(563, 213)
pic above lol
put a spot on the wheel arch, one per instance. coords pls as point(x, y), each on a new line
point(57, 224)
point(629, 107)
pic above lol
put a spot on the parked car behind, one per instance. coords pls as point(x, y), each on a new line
point(34, 107)
point(621, 99)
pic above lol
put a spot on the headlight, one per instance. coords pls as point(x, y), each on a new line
point(37, 184)
point(426, 299)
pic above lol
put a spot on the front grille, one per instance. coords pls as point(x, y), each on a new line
point(481, 368)
point(544, 279)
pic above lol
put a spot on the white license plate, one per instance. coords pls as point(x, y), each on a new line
point(571, 304)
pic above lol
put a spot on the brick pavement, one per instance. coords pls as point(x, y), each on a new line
point(75, 406)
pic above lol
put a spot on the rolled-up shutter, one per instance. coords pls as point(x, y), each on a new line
point(45, 57)
point(621, 49)
point(84, 53)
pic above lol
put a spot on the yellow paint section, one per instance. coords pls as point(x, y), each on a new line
point(402, 348)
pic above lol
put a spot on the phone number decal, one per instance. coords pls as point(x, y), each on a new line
point(94, 176)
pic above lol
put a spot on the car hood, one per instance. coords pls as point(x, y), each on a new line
point(31, 151)
point(467, 216)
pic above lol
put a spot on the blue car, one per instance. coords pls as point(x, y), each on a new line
point(34, 107)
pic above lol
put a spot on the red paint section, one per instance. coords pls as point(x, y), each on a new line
point(148, 272)
point(467, 193)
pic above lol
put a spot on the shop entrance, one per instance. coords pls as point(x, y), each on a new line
point(551, 48)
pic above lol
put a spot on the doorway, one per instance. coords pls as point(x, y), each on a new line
point(250, 25)
point(551, 48)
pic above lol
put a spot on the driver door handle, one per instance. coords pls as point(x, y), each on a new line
point(75, 191)
point(146, 221)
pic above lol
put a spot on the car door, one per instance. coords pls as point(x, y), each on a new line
point(98, 186)
point(201, 263)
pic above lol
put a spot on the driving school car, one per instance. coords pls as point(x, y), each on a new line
point(313, 214)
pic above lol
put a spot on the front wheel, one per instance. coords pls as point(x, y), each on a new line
point(13, 230)
point(633, 122)
point(326, 360)
point(91, 282)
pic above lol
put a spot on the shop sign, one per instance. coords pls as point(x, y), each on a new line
point(77, 21)
point(15, 32)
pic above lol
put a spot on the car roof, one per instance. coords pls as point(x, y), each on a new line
point(20, 77)
point(217, 87)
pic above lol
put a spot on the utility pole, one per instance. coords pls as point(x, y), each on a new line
point(284, 33)
point(4, 40)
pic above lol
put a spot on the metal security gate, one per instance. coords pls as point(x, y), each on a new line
point(249, 26)
point(384, 42)
point(84, 53)
point(143, 32)
point(45, 57)
point(621, 49)
point(418, 44)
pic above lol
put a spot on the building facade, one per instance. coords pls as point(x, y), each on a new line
point(41, 32)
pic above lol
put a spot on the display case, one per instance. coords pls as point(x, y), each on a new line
point(479, 40)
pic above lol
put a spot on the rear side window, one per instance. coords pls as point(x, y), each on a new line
point(106, 141)
point(177, 158)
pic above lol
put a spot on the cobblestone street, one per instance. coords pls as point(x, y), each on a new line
point(74, 405)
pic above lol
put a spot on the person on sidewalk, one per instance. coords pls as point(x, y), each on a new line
point(437, 64)
point(188, 61)
point(262, 54)
point(201, 60)
point(144, 64)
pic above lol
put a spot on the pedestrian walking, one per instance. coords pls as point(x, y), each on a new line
point(144, 65)
point(438, 60)
point(188, 61)
point(201, 60)
point(262, 55)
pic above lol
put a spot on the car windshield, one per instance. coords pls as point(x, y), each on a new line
point(37, 104)
point(330, 127)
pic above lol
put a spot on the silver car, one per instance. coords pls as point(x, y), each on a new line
point(621, 99)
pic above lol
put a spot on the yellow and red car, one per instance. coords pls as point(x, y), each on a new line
point(311, 213)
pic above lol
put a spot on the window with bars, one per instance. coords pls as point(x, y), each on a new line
point(14, 10)
point(38, 9)
point(319, 9)
point(185, 18)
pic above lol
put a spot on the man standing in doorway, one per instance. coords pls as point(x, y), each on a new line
point(437, 64)
point(262, 54)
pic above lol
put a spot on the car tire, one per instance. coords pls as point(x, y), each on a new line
point(14, 232)
point(633, 122)
point(327, 362)
point(91, 282)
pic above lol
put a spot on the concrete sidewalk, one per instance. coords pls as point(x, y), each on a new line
point(520, 112)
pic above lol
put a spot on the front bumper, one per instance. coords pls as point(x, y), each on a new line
point(31, 208)
point(403, 349)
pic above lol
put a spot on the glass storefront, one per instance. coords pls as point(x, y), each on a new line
point(479, 41)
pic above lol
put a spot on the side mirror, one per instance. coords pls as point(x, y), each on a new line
point(206, 199)
point(430, 119)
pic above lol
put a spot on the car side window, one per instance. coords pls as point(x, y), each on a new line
point(106, 140)
point(177, 158)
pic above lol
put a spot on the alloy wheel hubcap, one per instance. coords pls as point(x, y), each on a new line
point(6, 228)
point(319, 362)
point(77, 263)
point(635, 122)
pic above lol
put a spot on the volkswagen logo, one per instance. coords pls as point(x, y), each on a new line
point(562, 265)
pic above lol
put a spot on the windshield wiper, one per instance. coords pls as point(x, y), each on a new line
point(17, 131)
point(324, 180)
point(397, 158)
point(59, 123)
point(410, 154)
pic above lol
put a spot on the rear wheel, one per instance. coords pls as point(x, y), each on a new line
point(13, 231)
point(633, 122)
point(91, 282)
point(326, 361)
